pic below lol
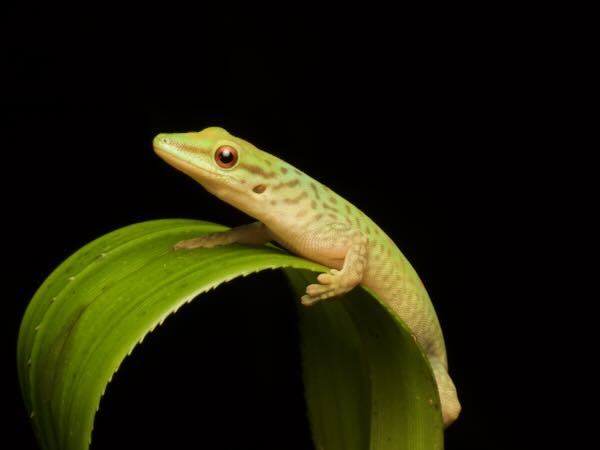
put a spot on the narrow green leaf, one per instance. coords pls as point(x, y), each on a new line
point(367, 384)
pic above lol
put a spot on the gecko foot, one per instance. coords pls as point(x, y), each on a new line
point(332, 283)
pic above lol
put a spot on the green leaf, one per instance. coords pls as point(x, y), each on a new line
point(367, 383)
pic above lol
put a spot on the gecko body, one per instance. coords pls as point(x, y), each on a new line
point(314, 222)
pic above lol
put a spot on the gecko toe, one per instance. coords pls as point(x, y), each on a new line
point(180, 245)
point(325, 278)
point(208, 241)
point(315, 290)
point(307, 300)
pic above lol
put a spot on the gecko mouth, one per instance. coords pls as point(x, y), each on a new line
point(186, 167)
point(195, 171)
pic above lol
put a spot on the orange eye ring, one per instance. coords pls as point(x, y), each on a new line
point(226, 156)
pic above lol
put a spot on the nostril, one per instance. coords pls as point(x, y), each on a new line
point(259, 188)
point(160, 139)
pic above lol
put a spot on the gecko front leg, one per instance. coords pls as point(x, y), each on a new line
point(338, 282)
point(255, 233)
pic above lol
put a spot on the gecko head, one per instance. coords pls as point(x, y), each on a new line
point(228, 167)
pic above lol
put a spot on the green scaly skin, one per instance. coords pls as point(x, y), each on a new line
point(314, 222)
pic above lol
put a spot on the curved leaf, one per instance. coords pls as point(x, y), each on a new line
point(367, 383)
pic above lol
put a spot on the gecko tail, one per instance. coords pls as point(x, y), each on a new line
point(447, 391)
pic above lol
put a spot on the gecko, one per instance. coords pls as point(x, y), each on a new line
point(310, 220)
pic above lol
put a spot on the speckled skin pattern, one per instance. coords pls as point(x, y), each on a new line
point(312, 221)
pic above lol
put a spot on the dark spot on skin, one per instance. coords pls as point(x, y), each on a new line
point(288, 184)
point(317, 217)
point(292, 201)
point(348, 210)
point(283, 170)
point(273, 202)
point(333, 200)
point(313, 204)
point(315, 190)
point(191, 148)
point(332, 216)
point(259, 188)
point(330, 208)
point(256, 170)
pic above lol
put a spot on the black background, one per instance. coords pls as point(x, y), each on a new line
point(418, 118)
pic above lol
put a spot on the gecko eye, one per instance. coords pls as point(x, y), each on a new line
point(226, 156)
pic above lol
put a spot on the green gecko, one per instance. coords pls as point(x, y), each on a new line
point(314, 222)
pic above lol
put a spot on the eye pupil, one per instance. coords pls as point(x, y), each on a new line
point(226, 156)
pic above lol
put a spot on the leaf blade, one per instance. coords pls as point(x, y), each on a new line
point(101, 302)
point(391, 392)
